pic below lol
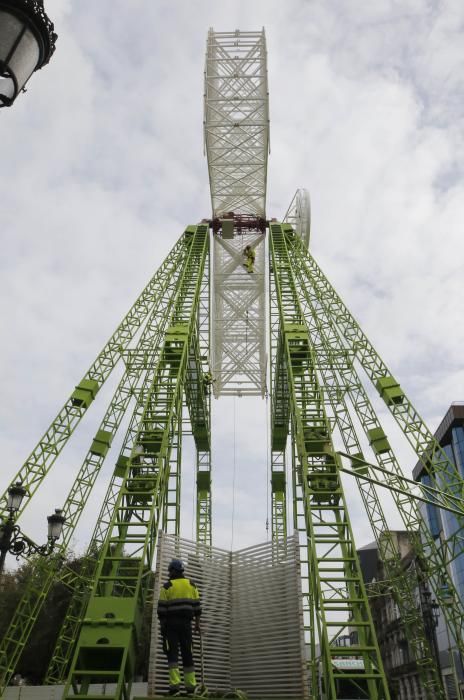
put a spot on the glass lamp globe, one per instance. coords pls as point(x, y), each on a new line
point(27, 42)
point(55, 524)
point(16, 494)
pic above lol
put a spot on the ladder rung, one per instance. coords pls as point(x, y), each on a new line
point(335, 559)
point(118, 578)
point(351, 623)
point(361, 675)
point(83, 672)
point(350, 651)
point(124, 558)
point(348, 601)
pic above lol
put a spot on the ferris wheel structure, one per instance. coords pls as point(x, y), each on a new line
point(240, 307)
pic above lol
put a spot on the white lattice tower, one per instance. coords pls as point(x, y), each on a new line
point(236, 121)
point(238, 350)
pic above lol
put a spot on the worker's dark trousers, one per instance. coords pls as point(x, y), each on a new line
point(179, 634)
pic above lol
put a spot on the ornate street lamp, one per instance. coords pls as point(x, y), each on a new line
point(16, 494)
point(12, 539)
point(55, 525)
point(27, 42)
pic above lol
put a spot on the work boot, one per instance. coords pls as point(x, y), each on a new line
point(174, 691)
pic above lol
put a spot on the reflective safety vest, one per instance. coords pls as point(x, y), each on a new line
point(179, 598)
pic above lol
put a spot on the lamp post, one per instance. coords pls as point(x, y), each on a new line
point(447, 599)
point(12, 539)
point(430, 614)
point(27, 42)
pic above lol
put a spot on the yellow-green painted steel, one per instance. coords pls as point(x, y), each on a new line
point(338, 600)
point(107, 643)
point(346, 339)
point(45, 571)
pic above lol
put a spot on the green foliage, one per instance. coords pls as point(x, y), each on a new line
point(35, 658)
point(36, 655)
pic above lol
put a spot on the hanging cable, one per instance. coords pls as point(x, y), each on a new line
point(268, 447)
point(233, 483)
point(194, 504)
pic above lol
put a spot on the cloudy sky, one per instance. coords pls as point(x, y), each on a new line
point(103, 168)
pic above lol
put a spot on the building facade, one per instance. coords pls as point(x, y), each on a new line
point(443, 524)
point(400, 665)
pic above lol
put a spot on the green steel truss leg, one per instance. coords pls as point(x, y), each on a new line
point(64, 647)
point(31, 603)
point(308, 592)
point(71, 626)
point(53, 441)
point(435, 560)
point(279, 498)
point(337, 588)
point(426, 447)
point(280, 425)
point(335, 375)
point(197, 397)
point(61, 657)
point(107, 642)
point(203, 512)
point(203, 443)
point(426, 494)
point(170, 521)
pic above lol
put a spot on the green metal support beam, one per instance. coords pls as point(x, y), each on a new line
point(137, 363)
point(333, 365)
point(280, 427)
point(203, 446)
point(107, 642)
point(337, 592)
point(57, 435)
point(419, 436)
point(360, 469)
point(333, 316)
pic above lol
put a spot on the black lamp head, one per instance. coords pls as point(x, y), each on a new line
point(27, 42)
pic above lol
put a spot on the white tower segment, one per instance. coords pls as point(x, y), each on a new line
point(238, 348)
point(299, 215)
point(236, 121)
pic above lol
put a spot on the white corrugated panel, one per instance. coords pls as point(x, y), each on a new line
point(252, 619)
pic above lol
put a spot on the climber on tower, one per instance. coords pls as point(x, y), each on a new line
point(179, 604)
point(250, 256)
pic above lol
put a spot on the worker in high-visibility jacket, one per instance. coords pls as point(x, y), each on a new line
point(179, 605)
point(250, 257)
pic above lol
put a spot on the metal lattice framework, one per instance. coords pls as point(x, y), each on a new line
point(336, 599)
point(167, 384)
point(324, 423)
point(236, 121)
point(238, 347)
point(298, 215)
